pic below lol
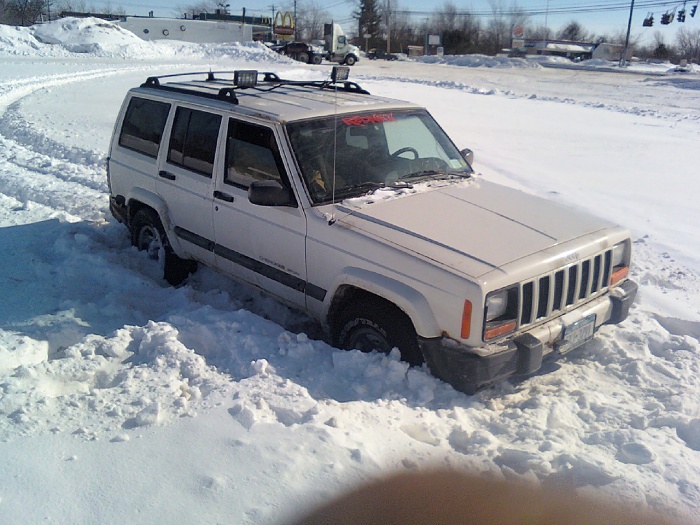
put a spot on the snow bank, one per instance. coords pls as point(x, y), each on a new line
point(100, 38)
point(538, 61)
point(20, 41)
point(82, 34)
point(497, 62)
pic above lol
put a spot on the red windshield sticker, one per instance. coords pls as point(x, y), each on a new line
point(364, 120)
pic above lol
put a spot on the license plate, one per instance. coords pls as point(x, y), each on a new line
point(576, 334)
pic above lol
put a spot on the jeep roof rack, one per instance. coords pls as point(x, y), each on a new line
point(248, 79)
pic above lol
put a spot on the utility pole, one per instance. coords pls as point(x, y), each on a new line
point(623, 58)
point(546, 26)
point(272, 24)
point(295, 20)
point(388, 26)
point(426, 49)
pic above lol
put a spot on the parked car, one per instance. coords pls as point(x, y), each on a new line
point(374, 54)
point(361, 211)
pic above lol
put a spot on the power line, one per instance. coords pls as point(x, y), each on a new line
point(552, 10)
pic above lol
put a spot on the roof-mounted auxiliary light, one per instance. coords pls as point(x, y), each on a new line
point(340, 73)
point(245, 78)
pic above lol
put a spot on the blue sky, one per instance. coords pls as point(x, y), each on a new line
point(598, 16)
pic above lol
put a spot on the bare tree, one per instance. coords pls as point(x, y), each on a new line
point(497, 28)
point(191, 10)
point(3, 11)
point(403, 32)
point(540, 32)
point(658, 49)
point(573, 31)
point(688, 44)
point(460, 31)
point(500, 27)
point(310, 19)
point(22, 12)
point(78, 6)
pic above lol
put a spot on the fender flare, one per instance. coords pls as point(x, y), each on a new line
point(157, 203)
point(412, 302)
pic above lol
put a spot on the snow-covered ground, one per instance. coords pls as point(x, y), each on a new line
point(123, 400)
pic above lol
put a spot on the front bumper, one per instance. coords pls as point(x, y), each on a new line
point(522, 355)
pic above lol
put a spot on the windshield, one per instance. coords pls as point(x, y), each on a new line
point(350, 155)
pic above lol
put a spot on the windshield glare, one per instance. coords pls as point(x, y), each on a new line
point(368, 151)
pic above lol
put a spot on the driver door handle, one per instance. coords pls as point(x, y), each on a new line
point(223, 196)
point(166, 175)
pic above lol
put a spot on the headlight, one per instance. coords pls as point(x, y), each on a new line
point(618, 255)
point(500, 313)
point(619, 262)
point(496, 304)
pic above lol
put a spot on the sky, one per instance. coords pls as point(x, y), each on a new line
point(597, 16)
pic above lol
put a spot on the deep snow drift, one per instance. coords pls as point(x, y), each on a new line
point(123, 400)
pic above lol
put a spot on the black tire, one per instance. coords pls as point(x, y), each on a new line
point(147, 233)
point(350, 60)
point(376, 324)
point(303, 57)
point(316, 59)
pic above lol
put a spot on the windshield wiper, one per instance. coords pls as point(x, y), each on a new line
point(434, 175)
point(364, 188)
point(360, 188)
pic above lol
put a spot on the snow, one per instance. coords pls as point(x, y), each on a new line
point(124, 400)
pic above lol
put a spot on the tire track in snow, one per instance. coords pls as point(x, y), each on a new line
point(41, 170)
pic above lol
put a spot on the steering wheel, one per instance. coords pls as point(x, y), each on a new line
point(433, 163)
point(404, 150)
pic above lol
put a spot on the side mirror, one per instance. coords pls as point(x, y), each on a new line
point(269, 193)
point(468, 155)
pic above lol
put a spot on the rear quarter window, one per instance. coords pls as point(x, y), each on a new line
point(193, 140)
point(143, 125)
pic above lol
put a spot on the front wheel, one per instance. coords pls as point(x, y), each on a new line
point(148, 234)
point(316, 59)
point(378, 325)
point(350, 60)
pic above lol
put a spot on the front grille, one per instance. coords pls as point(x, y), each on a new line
point(564, 288)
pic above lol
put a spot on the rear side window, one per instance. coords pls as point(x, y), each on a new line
point(193, 140)
point(143, 125)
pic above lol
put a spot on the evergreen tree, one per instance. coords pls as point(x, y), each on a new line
point(369, 21)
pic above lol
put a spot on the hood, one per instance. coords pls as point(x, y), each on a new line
point(473, 228)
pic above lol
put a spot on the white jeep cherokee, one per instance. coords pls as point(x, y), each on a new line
point(361, 211)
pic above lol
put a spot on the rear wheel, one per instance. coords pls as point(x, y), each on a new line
point(303, 57)
point(148, 234)
point(377, 325)
point(316, 59)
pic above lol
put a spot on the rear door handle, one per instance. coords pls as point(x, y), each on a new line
point(223, 196)
point(166, 175)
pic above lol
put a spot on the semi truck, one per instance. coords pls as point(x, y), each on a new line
point(300, 51)
point(337, 47)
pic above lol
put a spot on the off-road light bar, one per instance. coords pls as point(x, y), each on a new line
point(340, 73)
point(245, 78)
